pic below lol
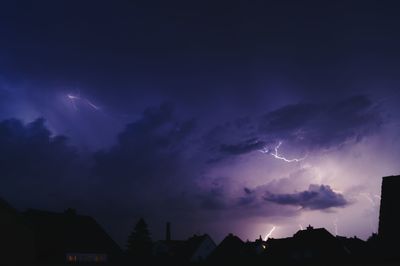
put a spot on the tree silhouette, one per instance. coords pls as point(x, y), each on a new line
point(139, 244)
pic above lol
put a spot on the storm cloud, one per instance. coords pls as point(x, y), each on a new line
point(323, 125)
point(317, 197)
point(37, 164)
point(159, 166)
point(307, 126)
point(188, 93)
point(244, 147)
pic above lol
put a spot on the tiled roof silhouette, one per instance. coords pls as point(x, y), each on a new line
point(61, 233)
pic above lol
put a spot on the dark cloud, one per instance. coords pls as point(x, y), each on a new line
point(214, 199)
point(305, 126)
point(249, 198)
point(323, 125)
point(243, 147)
point(148, 148)
point(37, 165)
point(149, 166)
point(317, 197)
point(247, 190)
point(158, 166)
point(252, 75)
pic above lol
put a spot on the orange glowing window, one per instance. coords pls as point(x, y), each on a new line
point(71, 258)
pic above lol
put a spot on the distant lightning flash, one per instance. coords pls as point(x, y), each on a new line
point(280, 157)
point(373, 200)
point(270, 233)
point(74, 98)
point(335, 226)
point(92, 105)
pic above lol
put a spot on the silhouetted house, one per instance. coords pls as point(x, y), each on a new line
point(255, 248)
point(16, 239)
point(280, 250)
point(198, 248)
point(195, 249)
point(230, 250)
point(168, 250)
point(306, 245)
point(68, 237)
point(355, 247)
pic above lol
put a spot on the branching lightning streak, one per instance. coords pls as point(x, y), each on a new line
point(280, 157)
point(74, 98)
point(270, 233)
point(301, 227)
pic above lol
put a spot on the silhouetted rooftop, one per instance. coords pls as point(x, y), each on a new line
point(60, 233)
point(309, 244)
point(5, 206)
point(313, 234)
point(391, 178)
point(230, 248)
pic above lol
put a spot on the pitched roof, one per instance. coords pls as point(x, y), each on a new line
point(192, 244)
point(6, 207)
point(61, 233)
point(232, 246)
point(183, 249)
point(306, 244)
point(314, 234)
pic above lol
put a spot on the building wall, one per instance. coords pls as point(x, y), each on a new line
point(85, 257)
point(389, 216)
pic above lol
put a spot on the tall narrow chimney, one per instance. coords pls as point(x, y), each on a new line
point(168, 232)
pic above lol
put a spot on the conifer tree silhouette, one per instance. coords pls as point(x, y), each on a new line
point(139, 244)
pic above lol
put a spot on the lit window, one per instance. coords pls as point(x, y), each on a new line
point(71, 258)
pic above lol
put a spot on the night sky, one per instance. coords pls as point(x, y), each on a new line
point(236, 116)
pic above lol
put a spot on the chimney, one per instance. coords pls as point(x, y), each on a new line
point(168, 232)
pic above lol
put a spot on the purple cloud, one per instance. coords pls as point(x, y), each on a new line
point(317, 197)
point(307, 126)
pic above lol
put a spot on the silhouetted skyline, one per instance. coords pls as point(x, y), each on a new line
point(256, 117)
point(46, 237)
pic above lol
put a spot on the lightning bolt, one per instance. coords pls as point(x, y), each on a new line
point(75, 98)
point(280, 157)
point(373, 199)
point(72, 98)
point(335, 226)
point(301, 227)
point(92, 105)
point(270, 233)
